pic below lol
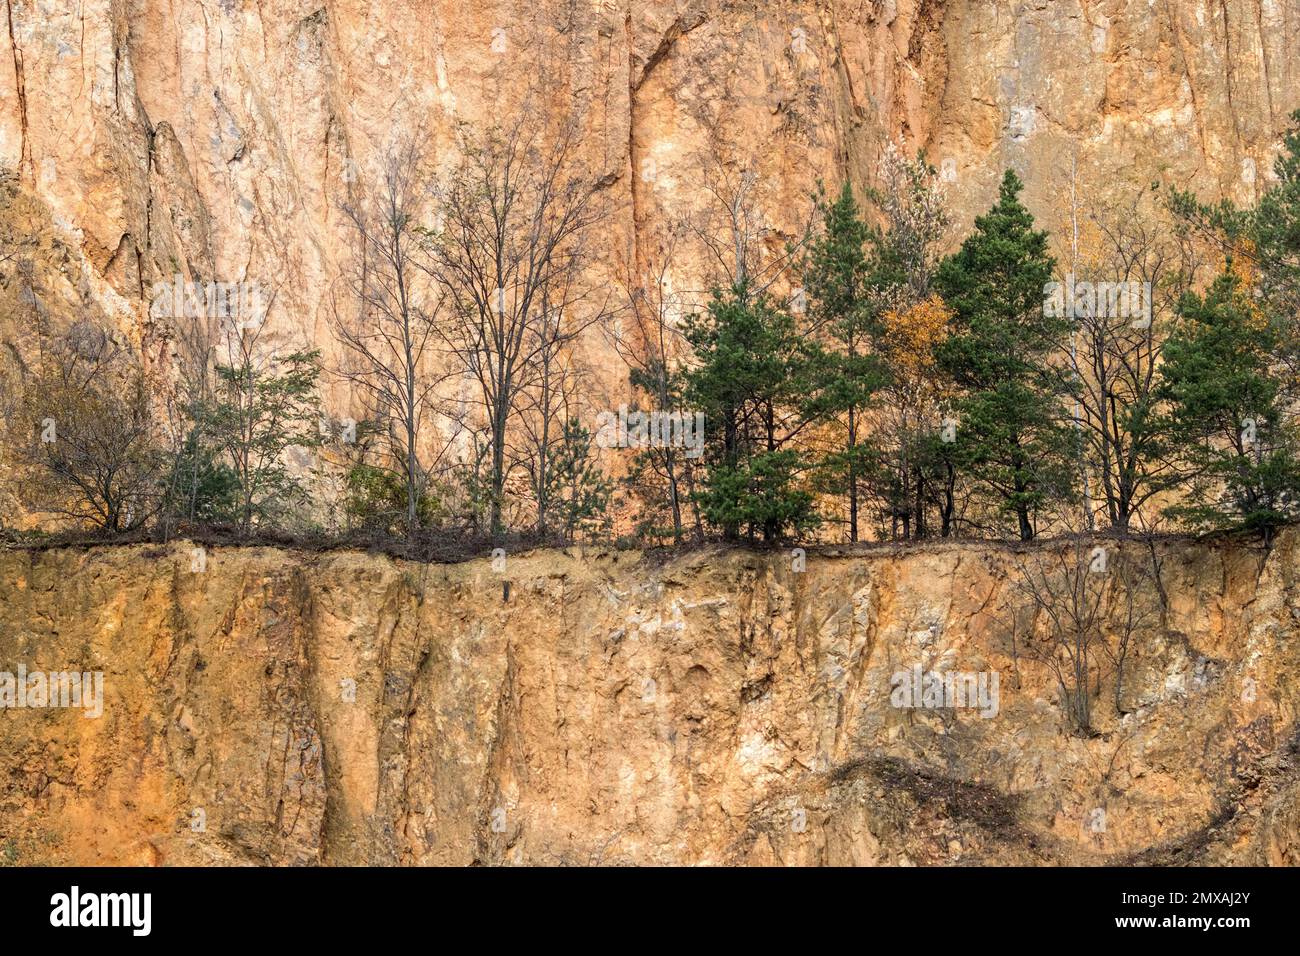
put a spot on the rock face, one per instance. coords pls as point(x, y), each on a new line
point(716, 708)
point(215, 139)
point(263, 706)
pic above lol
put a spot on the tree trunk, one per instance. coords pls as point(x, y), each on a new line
point(412, 514)
point(498, 472)
point(853, 475)
point(669, 466)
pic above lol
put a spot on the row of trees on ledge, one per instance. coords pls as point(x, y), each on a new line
point(856, 384)
point(908, 394)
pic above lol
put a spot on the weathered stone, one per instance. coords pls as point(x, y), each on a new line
point(519, 733)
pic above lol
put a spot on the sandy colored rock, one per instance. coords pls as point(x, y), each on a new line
point(714, 708)
point(216, 139)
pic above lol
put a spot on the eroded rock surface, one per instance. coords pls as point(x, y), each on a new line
point(216, 139)
point(716, 707)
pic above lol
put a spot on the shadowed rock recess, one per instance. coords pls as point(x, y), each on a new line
point(613, 707)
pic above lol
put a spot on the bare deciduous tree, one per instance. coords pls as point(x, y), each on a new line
point(508, 257)
point(649, 341)
point(83, 433)
point(735, 231)
point(915, 470)
point(1076, 609)
point(389, 340)
point(913, 207)
point(737, 245)
point(548, 406)
point(1139, 275)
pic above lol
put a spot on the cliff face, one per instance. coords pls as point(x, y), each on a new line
point(600, 707)
point(216, 138)
point(717, 708)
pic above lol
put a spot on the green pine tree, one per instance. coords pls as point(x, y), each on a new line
point(1012, 439)
point(1266, 238)
point(579, 492)
point(1228, 414)
point(1236, 356)
point(838, 284)
point(751, 382)
point(1275, 233)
